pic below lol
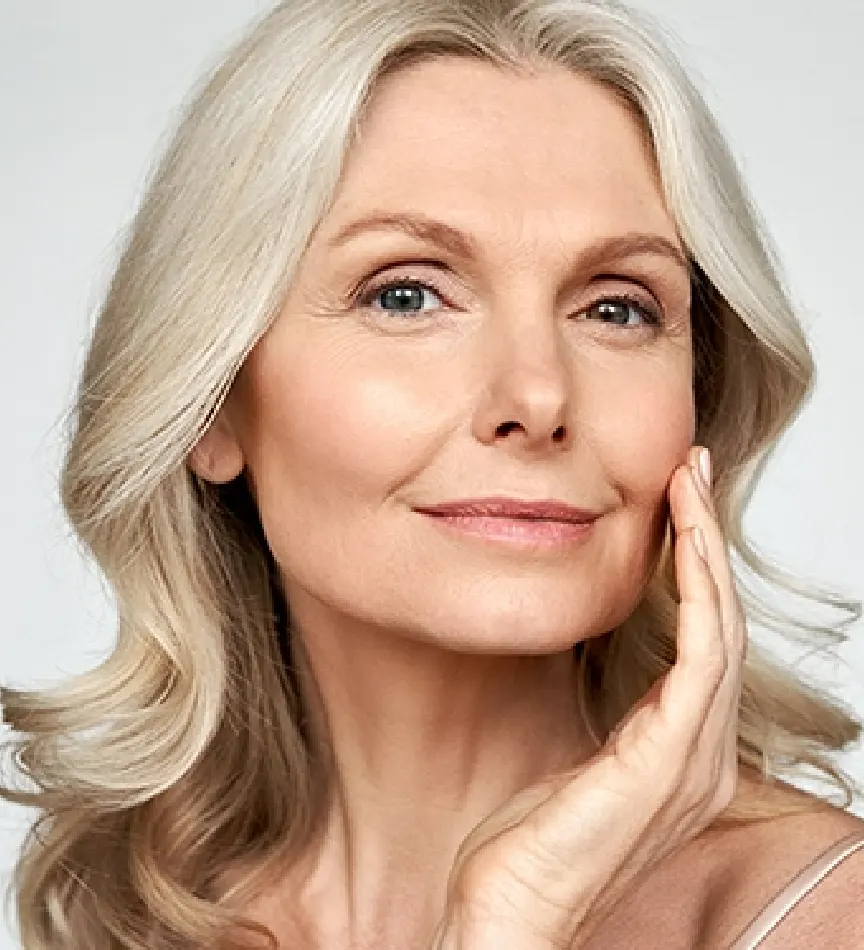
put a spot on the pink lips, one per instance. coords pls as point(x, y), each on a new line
point(520, 524)
point(511, 508)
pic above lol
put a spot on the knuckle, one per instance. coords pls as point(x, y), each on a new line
point(716, 663)
point(475, 879)
point(675, 775)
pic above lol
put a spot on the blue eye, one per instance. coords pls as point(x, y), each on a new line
point(405, 297)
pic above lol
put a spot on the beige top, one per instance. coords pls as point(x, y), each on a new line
point(803, 882)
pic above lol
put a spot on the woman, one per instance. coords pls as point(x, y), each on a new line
point(390, 442)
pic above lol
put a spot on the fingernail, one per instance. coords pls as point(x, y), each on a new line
point(705, 466)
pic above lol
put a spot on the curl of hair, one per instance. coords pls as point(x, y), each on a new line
point(175, 778)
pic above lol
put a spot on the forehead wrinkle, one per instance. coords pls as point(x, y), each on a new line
point(427, 230)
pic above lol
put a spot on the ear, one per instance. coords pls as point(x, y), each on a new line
point(217, 456)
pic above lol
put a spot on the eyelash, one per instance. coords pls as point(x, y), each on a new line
point(652, 315)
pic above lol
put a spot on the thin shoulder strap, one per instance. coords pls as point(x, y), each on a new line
point(801, 885)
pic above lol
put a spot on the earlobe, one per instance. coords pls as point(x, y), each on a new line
point(217, 456)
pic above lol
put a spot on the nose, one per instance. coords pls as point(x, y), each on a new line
point(527, 398)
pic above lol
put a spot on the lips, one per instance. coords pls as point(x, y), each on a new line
point(514, 508)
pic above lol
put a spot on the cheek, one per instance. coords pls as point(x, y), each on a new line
point(343, 415)
point(640, 425)
point(642, 449)
point(647, 438)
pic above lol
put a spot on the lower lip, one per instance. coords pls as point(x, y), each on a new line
point(518, 532)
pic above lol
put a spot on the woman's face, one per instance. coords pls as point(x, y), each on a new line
point(507, 375)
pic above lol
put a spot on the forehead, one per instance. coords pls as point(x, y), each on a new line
point(545, 153)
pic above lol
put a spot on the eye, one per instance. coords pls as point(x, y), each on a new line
point(402, 297)
point(619, 310)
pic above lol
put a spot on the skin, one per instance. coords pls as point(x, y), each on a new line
point(441, 664)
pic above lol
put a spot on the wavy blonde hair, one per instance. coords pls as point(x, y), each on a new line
point(177, 777)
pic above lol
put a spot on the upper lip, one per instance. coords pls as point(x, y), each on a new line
point(545, 509)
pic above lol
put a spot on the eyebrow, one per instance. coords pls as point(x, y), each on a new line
point(456, 242)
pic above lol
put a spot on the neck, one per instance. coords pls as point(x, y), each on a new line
point(424, 743)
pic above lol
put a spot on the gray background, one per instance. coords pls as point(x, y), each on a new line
point(87, 93)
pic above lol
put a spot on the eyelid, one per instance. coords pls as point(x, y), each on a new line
point(633, 281)
point(400, 270)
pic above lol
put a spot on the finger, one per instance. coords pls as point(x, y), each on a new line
point(719, 738)
point(689, 510)
point(693, 683)
point(690, 505)
point(698, 508)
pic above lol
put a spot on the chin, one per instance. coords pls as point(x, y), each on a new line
point(515, 634)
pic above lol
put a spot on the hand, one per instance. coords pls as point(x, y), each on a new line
point(545, 869)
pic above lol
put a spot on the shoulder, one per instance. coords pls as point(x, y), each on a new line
point(757, 862)
point(831, 914)
point(706, 894)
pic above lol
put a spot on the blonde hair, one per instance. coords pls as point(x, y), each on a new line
point(174, 778)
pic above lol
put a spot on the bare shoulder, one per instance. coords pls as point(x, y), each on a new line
point(757, 862)
point(706, 894)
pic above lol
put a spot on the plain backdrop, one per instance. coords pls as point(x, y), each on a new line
point(88, 92)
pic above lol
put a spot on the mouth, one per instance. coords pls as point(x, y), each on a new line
point(512, 509)
point(516, 532)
